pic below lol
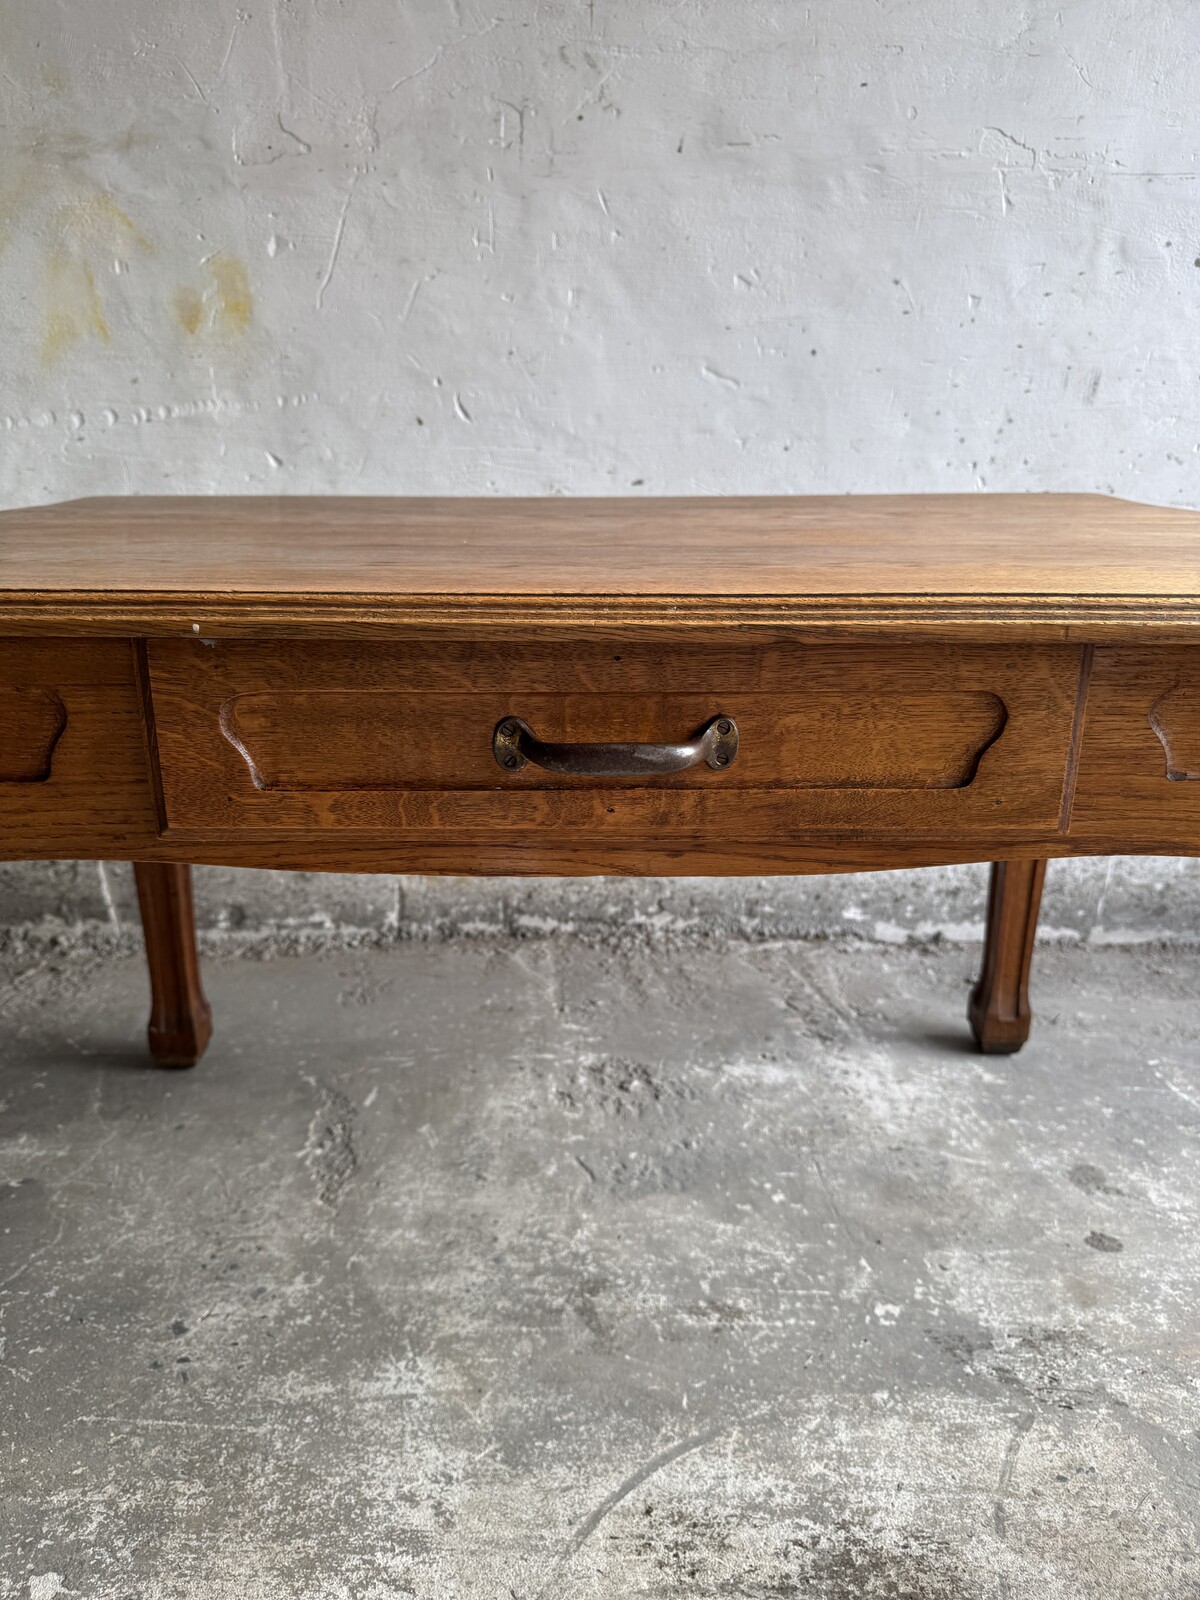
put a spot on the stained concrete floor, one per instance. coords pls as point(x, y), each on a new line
point(547, 1268)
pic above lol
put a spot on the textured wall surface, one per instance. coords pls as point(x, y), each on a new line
point(607, 248)
point(1114, 901)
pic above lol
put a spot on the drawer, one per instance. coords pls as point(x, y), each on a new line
point(73, 776)
point(1139, 767)
point(302, 736)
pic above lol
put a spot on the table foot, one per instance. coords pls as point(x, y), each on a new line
point(180, 1016)
point(999, 1011)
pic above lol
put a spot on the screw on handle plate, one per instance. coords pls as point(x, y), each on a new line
point(515, 745)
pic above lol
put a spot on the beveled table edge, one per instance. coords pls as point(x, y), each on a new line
point(994, 617)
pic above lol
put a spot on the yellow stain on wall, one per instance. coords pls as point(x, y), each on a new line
point(226, 306)
point(85, 229)
point(73, 309)
point(189, 309)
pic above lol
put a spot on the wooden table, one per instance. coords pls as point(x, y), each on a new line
point(598, 686)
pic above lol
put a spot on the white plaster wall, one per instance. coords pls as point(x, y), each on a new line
point(449, 246)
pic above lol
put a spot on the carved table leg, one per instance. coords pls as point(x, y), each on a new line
point(180, 1018)
point(999, 1008)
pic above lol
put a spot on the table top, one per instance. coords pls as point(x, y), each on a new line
point(977, 562)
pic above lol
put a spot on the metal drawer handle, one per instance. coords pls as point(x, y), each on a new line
point(514, 744)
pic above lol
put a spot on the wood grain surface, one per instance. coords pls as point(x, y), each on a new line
point(1066, 733)
point(31, 724)
point(970, 564)
point(313, 683)
point(73, 779)
point(324, 736)
point(1139, 771)
point(180, 1016)
point(998, 1010)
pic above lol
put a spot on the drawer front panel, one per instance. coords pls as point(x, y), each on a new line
point(1139, 769)
point(73, 770)
point(326, 735)
point(332, 740)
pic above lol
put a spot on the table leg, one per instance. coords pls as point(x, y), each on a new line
point(180, 1018)
point(999, 1008)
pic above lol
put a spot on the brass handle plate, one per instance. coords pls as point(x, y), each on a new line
point(515, 745)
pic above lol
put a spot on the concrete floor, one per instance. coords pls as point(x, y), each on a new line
point(564, 1268)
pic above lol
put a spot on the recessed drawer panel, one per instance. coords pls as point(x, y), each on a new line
point(386, 739)
point(829, 738)
point(1139, 770)
point(73, 772)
